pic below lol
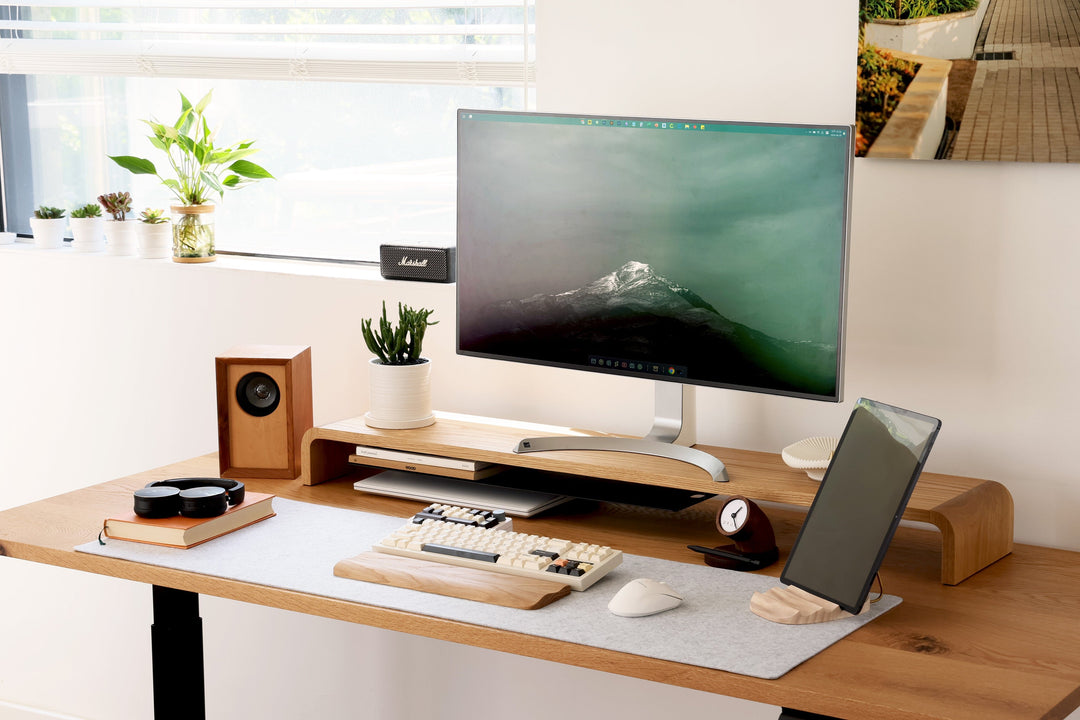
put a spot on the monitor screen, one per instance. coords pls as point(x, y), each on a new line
point(709, 253)
point(859, 503)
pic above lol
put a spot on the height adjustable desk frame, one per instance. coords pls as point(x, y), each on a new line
point(1002, 645)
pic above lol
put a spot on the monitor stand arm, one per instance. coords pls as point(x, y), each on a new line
point(667, 429)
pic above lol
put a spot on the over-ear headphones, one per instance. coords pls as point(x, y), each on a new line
point(191, 497)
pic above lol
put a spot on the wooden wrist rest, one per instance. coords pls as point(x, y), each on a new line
point(452, 580)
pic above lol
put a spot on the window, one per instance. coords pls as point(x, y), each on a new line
point(352, 107)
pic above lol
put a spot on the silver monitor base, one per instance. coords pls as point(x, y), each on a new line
point(667, 428)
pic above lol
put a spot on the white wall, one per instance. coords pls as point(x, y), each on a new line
point(962, 306)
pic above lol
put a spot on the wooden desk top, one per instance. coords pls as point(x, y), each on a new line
point(1005, 644)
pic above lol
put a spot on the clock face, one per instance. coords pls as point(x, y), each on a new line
point(733, 515)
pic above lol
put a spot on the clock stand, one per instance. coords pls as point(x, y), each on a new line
point(753, 545)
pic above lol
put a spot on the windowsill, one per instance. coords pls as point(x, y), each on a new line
point(233, 263)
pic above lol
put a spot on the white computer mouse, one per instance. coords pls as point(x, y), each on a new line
point(643, 596)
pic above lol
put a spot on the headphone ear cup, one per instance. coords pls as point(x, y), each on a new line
point(157, 502)
point(203, 502)
point(236, 492)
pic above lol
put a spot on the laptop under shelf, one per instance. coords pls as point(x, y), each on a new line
point(466, 493)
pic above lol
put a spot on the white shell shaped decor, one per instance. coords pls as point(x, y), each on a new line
point(812, 455)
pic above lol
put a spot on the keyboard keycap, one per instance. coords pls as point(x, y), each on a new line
point(460, 552)
point(462, 536)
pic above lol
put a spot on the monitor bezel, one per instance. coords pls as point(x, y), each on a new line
point(837, 396)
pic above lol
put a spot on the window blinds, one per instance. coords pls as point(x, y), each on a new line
point(468, 42)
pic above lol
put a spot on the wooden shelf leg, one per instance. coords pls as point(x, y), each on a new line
point(976, 530)
point(322, 459)
point(177, 656)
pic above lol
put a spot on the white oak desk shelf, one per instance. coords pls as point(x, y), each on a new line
point(975, 516)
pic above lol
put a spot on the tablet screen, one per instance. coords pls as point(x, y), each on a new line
point(859, 503)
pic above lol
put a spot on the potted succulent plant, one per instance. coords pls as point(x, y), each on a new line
point(154, 234)
point(201, 170)
point(87, 228)
point(48, 226)
point(400, 376)
point(119, 232)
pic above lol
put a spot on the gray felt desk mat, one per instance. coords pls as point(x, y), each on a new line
point(714, 627)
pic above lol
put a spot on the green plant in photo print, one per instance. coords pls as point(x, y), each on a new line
point(911, 9)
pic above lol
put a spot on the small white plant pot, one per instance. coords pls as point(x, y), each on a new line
point(88, 234)
point(48, 233)
point(154, 240)
point(120, 237)
point(400, 395)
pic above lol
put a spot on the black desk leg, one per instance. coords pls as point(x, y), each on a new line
point(789, 714)
point(177, 651)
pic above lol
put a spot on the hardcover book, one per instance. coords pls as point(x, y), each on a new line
point(377, 453)
point(184, 532)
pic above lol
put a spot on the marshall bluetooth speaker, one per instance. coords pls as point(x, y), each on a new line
point(404, 262)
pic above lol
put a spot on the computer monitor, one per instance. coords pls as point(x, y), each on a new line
point(681, 251)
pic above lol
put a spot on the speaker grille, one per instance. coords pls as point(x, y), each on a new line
point(257, 394)
point(403, 262)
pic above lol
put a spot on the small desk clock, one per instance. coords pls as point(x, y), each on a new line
point(754, 547)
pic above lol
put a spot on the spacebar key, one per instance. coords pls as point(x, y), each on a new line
point(460, 552)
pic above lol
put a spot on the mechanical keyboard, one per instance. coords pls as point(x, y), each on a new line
point(484, 540)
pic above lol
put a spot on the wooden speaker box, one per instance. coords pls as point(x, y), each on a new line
point(264, 409)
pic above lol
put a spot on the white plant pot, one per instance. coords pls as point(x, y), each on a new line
point(154, 240)
point(400, 395)
point(88, 234)
point(48, 233)
point(120, 236)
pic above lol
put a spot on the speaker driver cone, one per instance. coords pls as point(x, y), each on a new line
point(257, 394)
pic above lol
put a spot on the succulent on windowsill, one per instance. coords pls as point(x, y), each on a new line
point(45, 212)
point(153, 217)
point(91, 210)
point(401, 345)
point(117, 204)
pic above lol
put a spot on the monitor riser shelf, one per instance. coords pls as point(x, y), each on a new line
point(975, 516)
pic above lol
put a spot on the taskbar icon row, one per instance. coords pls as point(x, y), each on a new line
point(639, 366)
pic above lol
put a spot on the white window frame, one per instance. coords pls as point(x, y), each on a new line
point(299, 52)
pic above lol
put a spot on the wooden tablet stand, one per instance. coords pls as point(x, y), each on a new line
point(790, 605)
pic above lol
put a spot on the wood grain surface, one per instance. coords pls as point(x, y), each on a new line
point(461, 582)
point(1003, 645)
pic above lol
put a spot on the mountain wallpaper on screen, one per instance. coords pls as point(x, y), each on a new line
point(649, 318)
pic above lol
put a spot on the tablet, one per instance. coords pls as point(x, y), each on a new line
point(859, 503)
